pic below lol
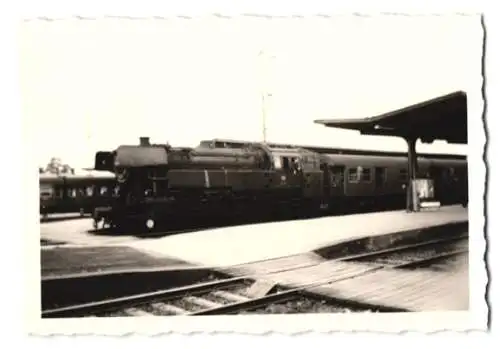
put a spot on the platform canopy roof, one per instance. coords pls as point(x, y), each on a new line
point(442, 118)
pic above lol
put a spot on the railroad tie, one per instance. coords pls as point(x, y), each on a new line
point(168, 308)
point(205, 303)
point(230, 296)
point(137, 312)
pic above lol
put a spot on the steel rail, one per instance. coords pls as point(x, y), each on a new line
point(163, 295)
point(115, 303)
point(407, 247)
point(286, 295)
point(422, 262)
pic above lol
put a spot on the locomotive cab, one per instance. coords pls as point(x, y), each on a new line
point(300, 169)
point(295, 161)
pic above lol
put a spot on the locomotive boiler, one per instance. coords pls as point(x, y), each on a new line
point(158, 182)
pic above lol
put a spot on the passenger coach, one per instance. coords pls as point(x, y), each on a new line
point(75, 193)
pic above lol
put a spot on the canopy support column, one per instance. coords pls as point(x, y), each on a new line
point(411, 203)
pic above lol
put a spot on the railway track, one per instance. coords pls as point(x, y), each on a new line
point(415, 255)
point(226, 296)
point(249, 294)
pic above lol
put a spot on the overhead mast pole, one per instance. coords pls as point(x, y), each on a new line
point(264, 116)
point(265, 59)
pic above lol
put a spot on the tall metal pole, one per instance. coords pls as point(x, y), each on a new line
point(264, 128)
point(265, 60)
point(411, 204)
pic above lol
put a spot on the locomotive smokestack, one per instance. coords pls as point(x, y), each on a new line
point(144, 141)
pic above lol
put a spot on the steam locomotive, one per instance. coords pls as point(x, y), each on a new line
point(75, 193)
point(156, 183)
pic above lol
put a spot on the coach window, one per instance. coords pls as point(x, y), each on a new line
point(90, 190)
point(277, 162)
point(81, 192)
point(45, 194)
point(301, 162)
point(337, 176)
point(366, 175)
point(104, 191)
point(46, 191)
point(313, 162)
point(353, 175)
point(295, 165)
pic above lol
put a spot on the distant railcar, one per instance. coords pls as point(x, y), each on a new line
point(75, 193)
point(157, 182)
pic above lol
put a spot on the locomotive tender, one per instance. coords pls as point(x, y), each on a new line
point(159, 182)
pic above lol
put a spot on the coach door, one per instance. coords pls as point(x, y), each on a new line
point(337, 180)
point(437, 176)
point(326, 180)
point(380, 178)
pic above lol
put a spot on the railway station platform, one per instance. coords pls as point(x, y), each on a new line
point(229, 246)
point(72, 260)
point(243, 244)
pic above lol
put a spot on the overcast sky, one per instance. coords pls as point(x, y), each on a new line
point(90, 85)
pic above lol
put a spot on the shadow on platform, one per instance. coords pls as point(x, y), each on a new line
point(189, 224)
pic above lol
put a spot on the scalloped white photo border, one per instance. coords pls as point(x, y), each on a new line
point(289, 324)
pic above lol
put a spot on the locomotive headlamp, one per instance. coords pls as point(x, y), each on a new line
point(121, 175)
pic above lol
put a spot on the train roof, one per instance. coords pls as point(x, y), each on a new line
point(50, 178)
point(387, 160)
point(292, 151)
point(102, 176)
point(92, 174)
point(91, 177)
point(338, 151)
point(366, 157)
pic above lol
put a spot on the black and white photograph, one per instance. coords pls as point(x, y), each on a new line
point(325, 170)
